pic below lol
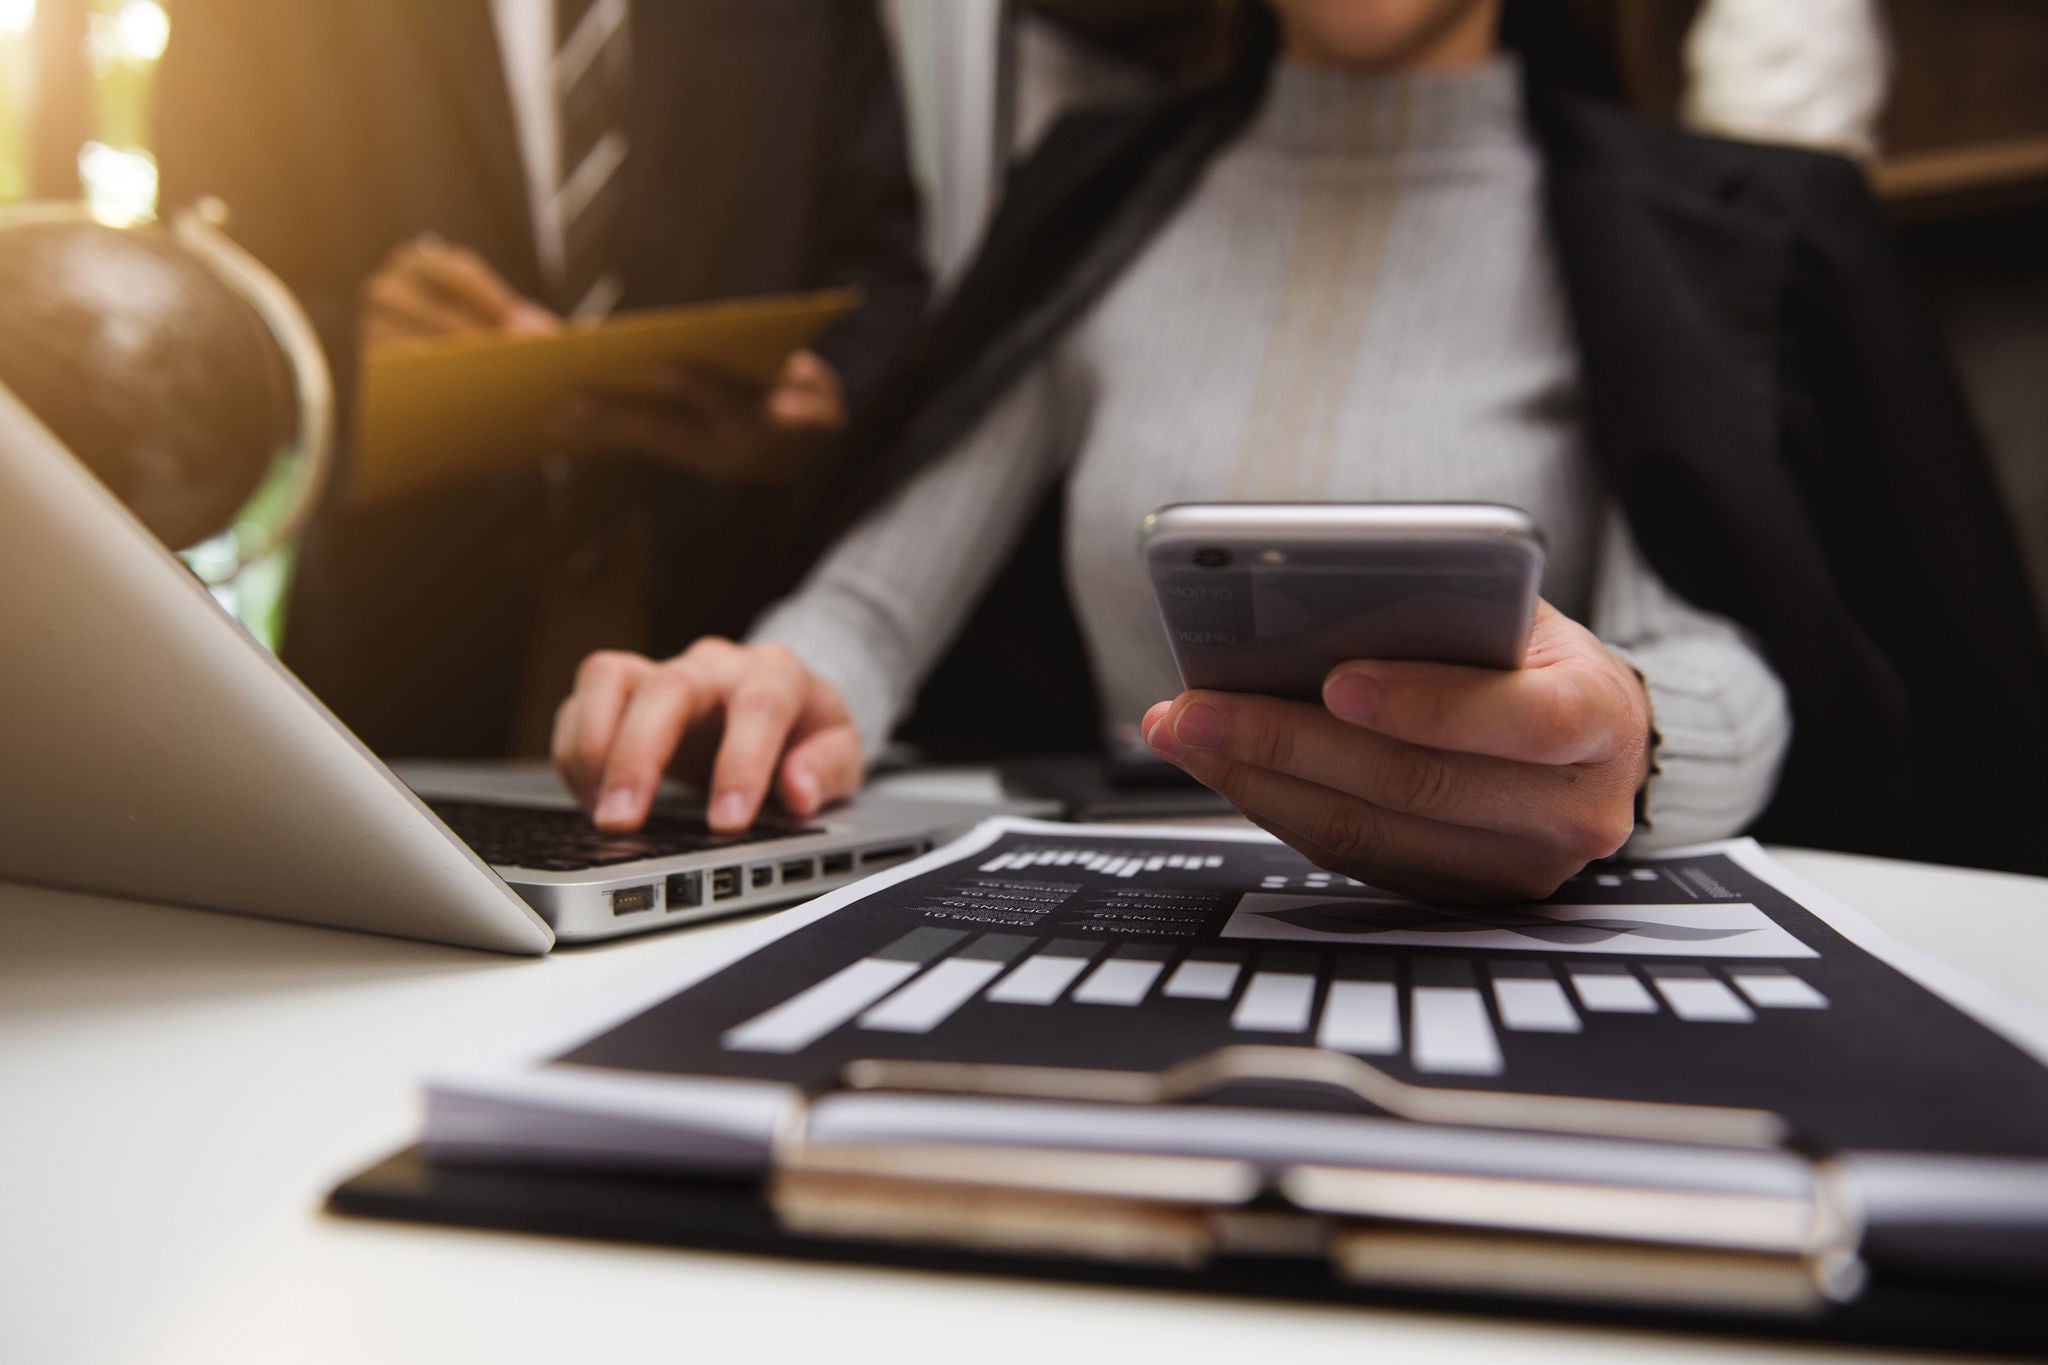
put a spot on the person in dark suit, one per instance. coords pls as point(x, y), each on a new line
point(1807, 612)
point(496, 165)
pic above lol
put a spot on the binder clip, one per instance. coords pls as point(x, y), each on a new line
point(1295, 1152)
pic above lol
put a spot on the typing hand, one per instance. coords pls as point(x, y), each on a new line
point(427, 288)
point(716, 427)
point(1441, 782)
point(745, 716)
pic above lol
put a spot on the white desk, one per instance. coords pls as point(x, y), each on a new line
point(178, 1090)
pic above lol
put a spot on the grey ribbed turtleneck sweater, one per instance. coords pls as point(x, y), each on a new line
point(1358, 303)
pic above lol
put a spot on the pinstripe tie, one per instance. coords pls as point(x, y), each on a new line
point(592, 68)
point(597, 551)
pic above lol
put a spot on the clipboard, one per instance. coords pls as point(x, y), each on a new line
point(1059, 1051)
point(438, 411)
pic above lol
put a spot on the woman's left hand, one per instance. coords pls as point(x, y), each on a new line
point(1438, 781)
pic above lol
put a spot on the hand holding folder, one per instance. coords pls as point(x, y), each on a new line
point(436, 412)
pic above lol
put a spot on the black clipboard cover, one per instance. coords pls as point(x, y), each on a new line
point(734, 1217)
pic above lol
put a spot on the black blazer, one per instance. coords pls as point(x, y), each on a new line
point(1764, 394)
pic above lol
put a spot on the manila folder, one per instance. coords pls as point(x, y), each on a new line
point(438, 411)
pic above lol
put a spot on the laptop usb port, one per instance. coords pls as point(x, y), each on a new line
point(758, 877)
point(887, 853)
point(799, 871)
point(632, 900)
point(685, 889)
point(725, 883)
point(836, 864)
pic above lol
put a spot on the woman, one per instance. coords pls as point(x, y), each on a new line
point(1391, 264)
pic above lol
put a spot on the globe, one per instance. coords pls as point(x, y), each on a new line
point(156, 371)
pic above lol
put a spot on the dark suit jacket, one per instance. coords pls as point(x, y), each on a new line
point(1764, 394)
point(767, 135)
point(767, 155)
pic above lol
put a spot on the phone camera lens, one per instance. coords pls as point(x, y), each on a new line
point(1209, 557)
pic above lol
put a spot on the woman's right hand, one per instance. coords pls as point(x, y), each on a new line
point(742, 716)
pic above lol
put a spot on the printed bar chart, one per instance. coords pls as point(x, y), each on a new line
point(1023, 959)
point(1448, 1015)
point(1105, 863)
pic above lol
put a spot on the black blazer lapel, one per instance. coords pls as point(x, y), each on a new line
point(1677, 268)
point(1673, 290)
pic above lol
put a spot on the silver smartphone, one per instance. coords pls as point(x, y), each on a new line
point(1269, 597)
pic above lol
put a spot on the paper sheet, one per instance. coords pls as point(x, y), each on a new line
point(1121, 946)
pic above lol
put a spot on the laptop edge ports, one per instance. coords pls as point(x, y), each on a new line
point(633, 899)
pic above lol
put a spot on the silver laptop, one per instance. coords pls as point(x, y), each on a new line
point(150, 748)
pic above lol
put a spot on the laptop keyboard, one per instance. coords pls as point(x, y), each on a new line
point(547, 840)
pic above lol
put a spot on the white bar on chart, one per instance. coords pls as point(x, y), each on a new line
point(1530, 1000)
point(810, 1014)
point(1448, 1030)
point(1039, 980)
point(995, 864)
point(1362, 1017)
point(1778, 991)
point(1155, 862)
point(1067, 857)
point(1535, 1007)
point(926, 1002)
point(1452, 1033)
point(1699, 998)
point(1615, 992)
point(1119, 981)
point(1200, 980)
point(1213, 860)
point(1275, 1002)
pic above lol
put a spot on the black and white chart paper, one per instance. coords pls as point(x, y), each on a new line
point(1708, 977)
